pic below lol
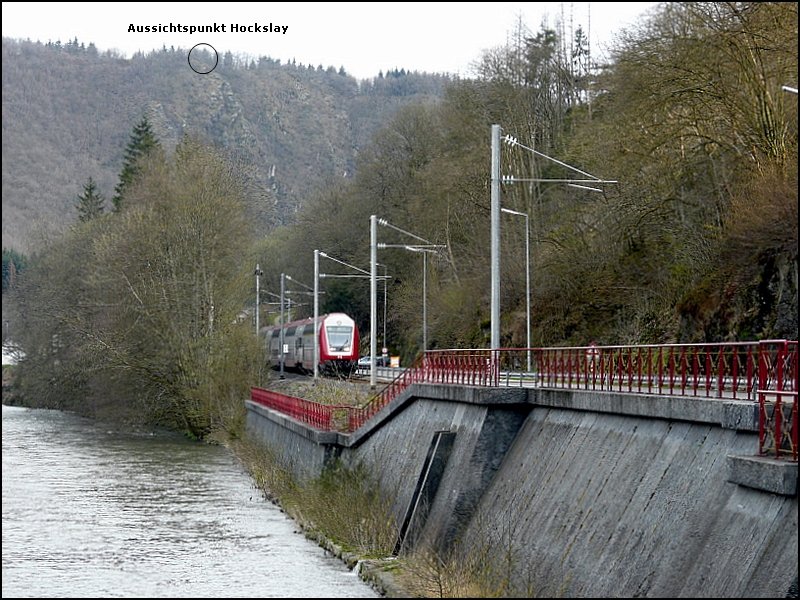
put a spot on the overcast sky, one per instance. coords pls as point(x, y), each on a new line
point(364, 38)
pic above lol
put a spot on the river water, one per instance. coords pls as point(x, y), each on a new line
point(91, 512)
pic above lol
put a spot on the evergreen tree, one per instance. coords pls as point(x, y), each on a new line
point(90, 204)
point(13, 263)
point(143, 142)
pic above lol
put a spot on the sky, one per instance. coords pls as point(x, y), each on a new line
point(364, 38)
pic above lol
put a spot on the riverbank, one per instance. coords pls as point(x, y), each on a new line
point(510, 492)
point(10, 396)
point(382, 574)
point(342, 511)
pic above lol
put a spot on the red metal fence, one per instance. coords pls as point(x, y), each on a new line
point(414, 374)
point(764, 371)
point(461, 367)
point(326, 417)
point(700, 370)
point(777, 398)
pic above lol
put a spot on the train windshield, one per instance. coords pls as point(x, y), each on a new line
point(339, 337)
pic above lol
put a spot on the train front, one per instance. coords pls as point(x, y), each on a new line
point(338, 344)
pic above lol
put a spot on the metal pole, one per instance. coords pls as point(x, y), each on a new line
point(385, 287)
point(528, 284)
point(527, 276)
point(316, 314)
point(424, 302)
point(373, 297)
point(280, 350)
point(258, 296)
point(495, 245)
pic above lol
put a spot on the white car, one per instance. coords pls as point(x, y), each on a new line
point(380, 361)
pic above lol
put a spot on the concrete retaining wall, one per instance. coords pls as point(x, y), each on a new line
point(301, 449)
point(607, 505)
point(483, 434)
point(592, 494)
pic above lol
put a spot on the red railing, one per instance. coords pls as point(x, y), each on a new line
point(777, 398)
point(414, 374)
point(319, 416)
point(703, 370)
point(764, 371)
point(337, 417)
point(461, 367)
point(699, 370)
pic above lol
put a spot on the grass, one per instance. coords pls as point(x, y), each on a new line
point(324, 391)
point(344, 504)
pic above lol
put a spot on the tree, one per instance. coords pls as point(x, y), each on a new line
point(696, 242)
point(90, 204)
point(13, 263)
point(135, 316)
point(693, 115)
point(143, 142)
point(172, 269)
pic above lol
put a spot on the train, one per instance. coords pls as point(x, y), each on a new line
point(338, 339)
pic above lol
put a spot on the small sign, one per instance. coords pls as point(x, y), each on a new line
point(395, 362)
point(286, 348)
point(385, 351)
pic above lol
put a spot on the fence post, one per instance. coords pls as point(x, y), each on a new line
point(768, 367)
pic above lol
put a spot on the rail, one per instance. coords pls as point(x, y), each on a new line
point(414, 374)
point(766, 372)
point(315, 414)
point(702, 370)
point(327, 417)
point(777, 399)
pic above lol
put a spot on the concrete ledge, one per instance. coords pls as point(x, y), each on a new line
point(740, 415)
point(380, 573)
point(469, 395)
point(764, 473)
point(425, 391)
point(334, 438)
point(417, 391)
point(301, 429)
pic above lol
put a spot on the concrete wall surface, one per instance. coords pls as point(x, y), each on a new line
point(301, 449)
point(396, 452)
point(602, 505)
point(583, 495)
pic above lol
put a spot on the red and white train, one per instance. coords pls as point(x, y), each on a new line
point(337, 336)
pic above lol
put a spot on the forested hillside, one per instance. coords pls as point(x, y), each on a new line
point(696, 242)
point(694, 120)
point(67, 112)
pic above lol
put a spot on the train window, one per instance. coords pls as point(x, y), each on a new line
point(276, 333)
point(339, 336)
point(290, 331)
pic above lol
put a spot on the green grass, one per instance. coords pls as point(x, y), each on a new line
point(324, 391)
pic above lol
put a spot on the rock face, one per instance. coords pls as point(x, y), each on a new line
point(68, 112)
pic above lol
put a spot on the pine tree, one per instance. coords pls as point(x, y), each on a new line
point(90, 203)
point(13, 263)
point(143, 142)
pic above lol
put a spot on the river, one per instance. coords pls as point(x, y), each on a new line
point(94, 512)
